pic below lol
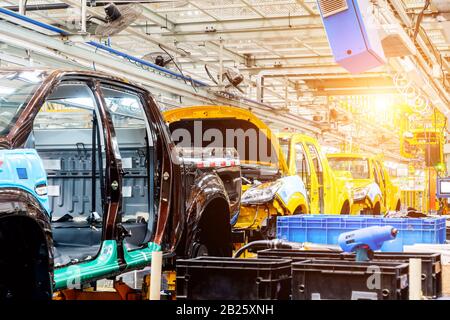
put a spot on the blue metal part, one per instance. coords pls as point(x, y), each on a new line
point(22, 173)
point(23, 169)
point(234, 219)
point(33, 22)
point(145, 63)
point(371, 238)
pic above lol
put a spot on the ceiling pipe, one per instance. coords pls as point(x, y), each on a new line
point(59, 6)
point(39, 7)
point(33, 22)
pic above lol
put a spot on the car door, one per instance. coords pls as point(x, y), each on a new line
point(135, 149)
point(303, 170)
point(317, 179)
point(331, 191)
point(385, 190)
point(318, 168)
point(71, 135)
point(382, 183)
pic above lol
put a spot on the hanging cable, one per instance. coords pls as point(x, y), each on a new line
point(174, 62)
point(419, 18)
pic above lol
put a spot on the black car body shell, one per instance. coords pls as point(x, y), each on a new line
point(182, 188)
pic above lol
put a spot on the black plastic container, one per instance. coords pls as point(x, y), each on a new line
point(349, 280)
point(431, 263)
point(216, 278)
point(300, 255)
point(431, 269)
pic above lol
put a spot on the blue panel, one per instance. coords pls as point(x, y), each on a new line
point(22, 173)
point(23, 168)
point(325, 229)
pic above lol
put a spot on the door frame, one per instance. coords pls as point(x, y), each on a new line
point(95, 268)
point(319, 185)
point(313, 205)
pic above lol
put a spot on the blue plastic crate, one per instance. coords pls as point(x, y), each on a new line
point(325, 229)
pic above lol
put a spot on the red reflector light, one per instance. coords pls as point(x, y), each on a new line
point(218, 163)
point(200, 165)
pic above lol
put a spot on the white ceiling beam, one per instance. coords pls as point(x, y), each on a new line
point(294, 77)
point(267, 48)
point(252, 8)
point(262, 62)
point(302, 43)
point(239, 59)
point(220, 6)
point(239, 24)
point(202, 10)
point(28, 54)
point(20, 61)
point(161, 21)
point(327, 60)
point(298, 70)
point(286, 52)
point(189, 6)
point(307, 8)
point(246, 34)
point(356, 91)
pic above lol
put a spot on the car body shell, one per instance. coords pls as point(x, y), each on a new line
point(252, 216)
point(336, 195)
point(182, 188)
point(380, 188)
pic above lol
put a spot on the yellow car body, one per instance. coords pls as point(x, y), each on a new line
point(373, 190)
point(328, 192)
point(289, 193)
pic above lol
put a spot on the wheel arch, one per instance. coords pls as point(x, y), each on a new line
point(296, 202)
point(213, 228)
point(26, 249)
point(208, 205)
point(345, 205)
